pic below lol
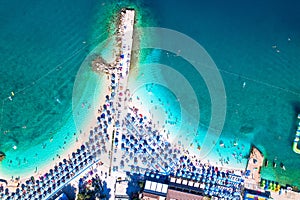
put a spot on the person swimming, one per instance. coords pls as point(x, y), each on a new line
point(58, 101)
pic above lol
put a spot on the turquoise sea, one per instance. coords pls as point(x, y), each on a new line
point(42, 47)
point(241, 37)
point(44, 43)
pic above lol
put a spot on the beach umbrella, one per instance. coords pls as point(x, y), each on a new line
point(123, 137)
point(78, 151)
point(127, 142)
point(18, 191)
point(27, 196)
point(36, 195)
point(35, 187)
point(144, 161)
point(31, 192)
point(15, 196)
point(132, 138)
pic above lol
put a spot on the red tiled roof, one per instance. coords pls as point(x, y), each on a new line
point(147, 196)
point(177, 195)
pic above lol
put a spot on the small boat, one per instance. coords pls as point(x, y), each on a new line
point(282, 166)
point(274, 164)
point(266, 162)
point(244, 84)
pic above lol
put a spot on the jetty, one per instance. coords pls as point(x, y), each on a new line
point(255, 162)
point(297, 138)
point(125, 36)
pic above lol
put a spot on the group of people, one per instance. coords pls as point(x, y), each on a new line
point(46, 185)
point(212, 180)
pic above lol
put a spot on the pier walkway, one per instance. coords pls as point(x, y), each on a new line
point(125, 35)
point(254, 165)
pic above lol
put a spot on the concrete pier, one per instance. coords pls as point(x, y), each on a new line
point(125, 35)
point(254, 165)
point(126, 31)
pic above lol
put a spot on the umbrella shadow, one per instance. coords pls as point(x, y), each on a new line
point(106, 191)
point(70, 191)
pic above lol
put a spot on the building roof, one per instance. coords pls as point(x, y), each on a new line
point(63, 196)
point(178, 195)
point(148, 196)
point(121, 189)
point(252, 194)
point(254, 197)
point(156, 188)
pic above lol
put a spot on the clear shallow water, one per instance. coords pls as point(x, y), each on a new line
point(36, 39)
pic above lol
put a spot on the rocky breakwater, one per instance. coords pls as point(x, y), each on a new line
point(2, 156)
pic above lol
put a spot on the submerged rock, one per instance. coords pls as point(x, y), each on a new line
point(246, 129)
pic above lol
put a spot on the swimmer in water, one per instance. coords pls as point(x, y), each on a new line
point(58, 101)
point(244, 84)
